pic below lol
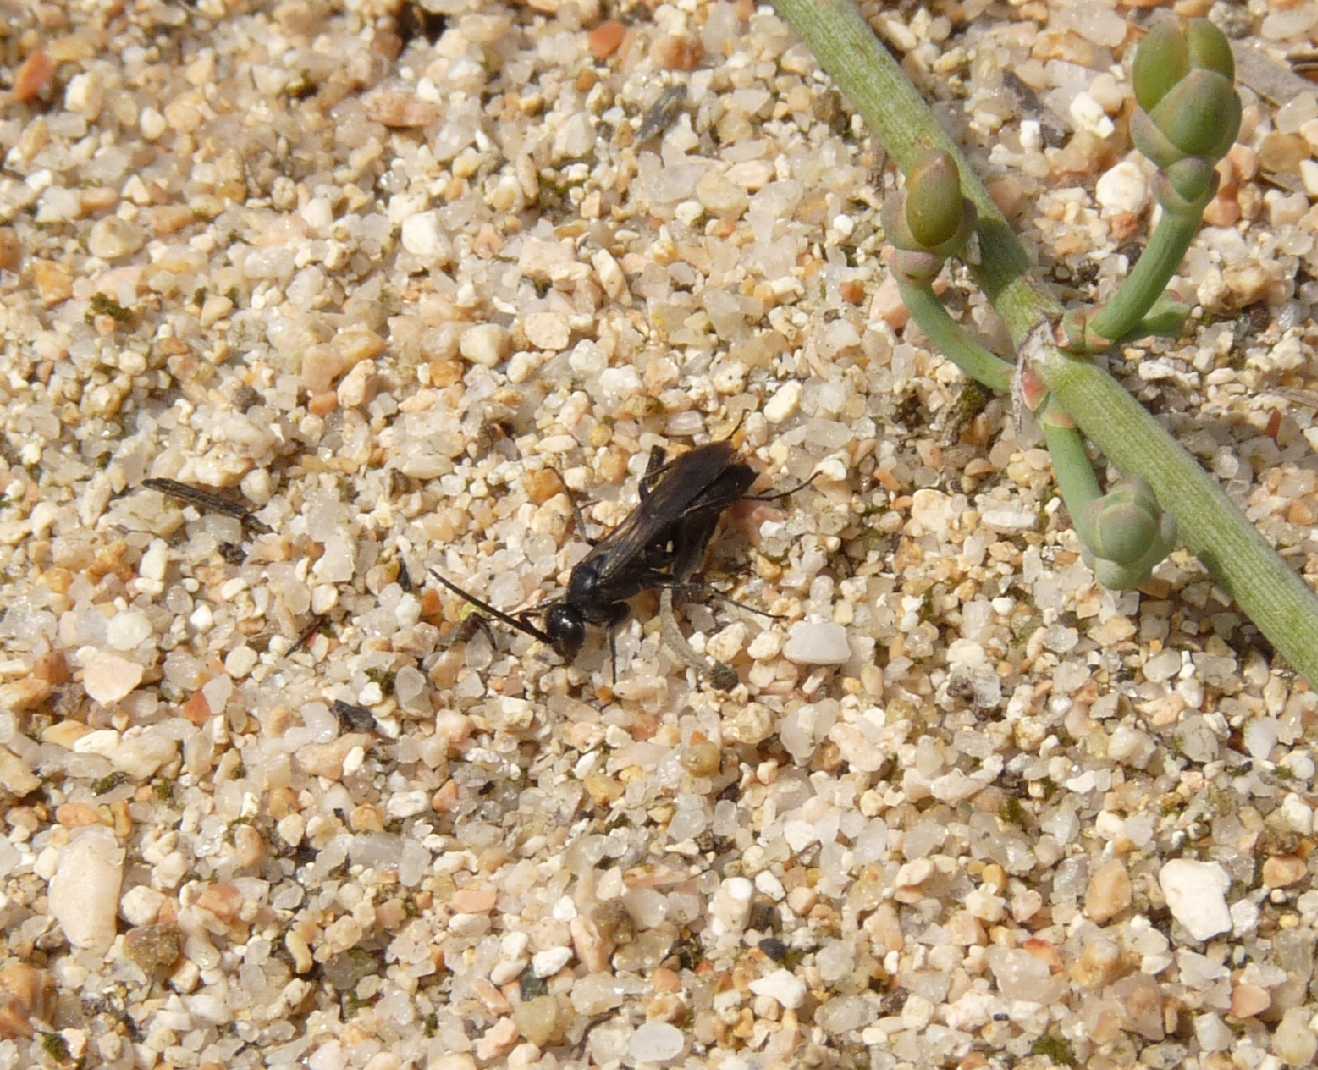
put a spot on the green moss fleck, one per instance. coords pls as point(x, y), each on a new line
point(1012, 812)
point(1056, 1048)
point(103, 305)
point(55, 1046)
point(108, 783)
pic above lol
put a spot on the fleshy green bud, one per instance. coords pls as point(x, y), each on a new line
point(1161, 60)
point(935, 210)
point(1126, 534)
point(1169, 52)
point(1189, 106)
point(930, 220)
point(1124, 522)
point(1209, 48)
point(1193, 179)
point(1200, 114)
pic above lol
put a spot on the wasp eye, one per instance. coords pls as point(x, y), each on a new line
point(567, 631)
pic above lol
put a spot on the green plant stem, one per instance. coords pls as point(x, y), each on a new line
point(1275, 598)
point(1166, 319)
point(1075, 474)
point(952, 341)
point(894, 110)
point(1140, 290)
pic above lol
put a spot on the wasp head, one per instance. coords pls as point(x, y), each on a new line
point(566, 629)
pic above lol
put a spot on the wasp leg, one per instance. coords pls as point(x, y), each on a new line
point(578, 518)
point(654, 468)
point(690, 587)
point(722, 677)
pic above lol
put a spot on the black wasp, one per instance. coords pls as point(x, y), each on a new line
point(659, 545)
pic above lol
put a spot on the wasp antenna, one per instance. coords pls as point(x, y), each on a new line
point(781, 493)
point(497, 614)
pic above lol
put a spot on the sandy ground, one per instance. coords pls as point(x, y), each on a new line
point(376, 276)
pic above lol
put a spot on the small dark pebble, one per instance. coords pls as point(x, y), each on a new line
point(415, 20)
point(154, 948)
point(764, 916)
point(233, 553)
point(344, 970)
point(353, 717)
point(662, 112)
point(774, 948)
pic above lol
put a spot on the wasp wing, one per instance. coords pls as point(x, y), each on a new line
point(706, 479)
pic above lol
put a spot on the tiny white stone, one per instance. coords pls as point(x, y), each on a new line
point(619, 384)
point(317, 213)
point(107, 677)
point(1309, 176)
point(1244, 917)
point(423, 237)
point(151, 123)
point(1020, 975)
point(405, 804)
point(337, 563)
point(1294, 1041)
point(817, 643)
point(202, 618)
point(1297, 814)
point(608, 272)
point(913, 874)
point(656, 1042)
point(732, 903)
point(547, 330)
point(1088, 114)
point(785, 401)
point(766, 645)
point(782, 985)
point(751, 174)
point(1196, 896)
point(506, 970)
point(217, 692)
point(574, 137)
point(84, 892)
point(931, 509)
point(127, 630)
point(984, 905)
point(140, 905)
point(240, 661)
point(798, 834)
point(140, 752)
point(1212, 1033)
point(1261, 735)
point(484, 343)
point(85, 94)
point(1122, 188)
point(1010, 519)
point(687, 212)
point(15, 777)
point(548, 962)
point(112, 237)
point(102, 741)
point(727, 643)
